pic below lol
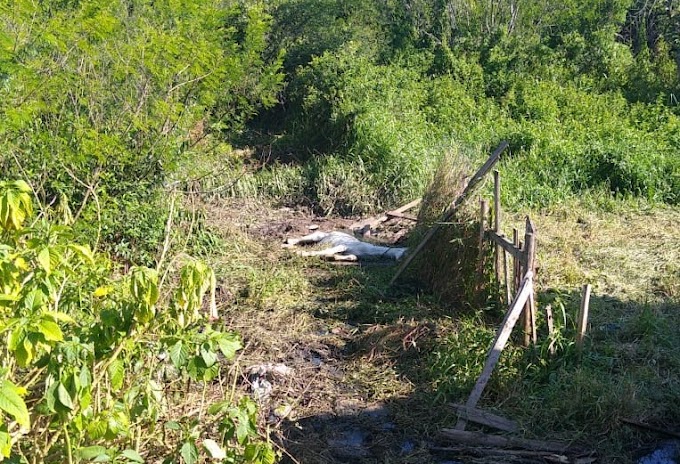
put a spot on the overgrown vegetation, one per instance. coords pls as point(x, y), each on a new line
point(92, 361)
point(119, 116)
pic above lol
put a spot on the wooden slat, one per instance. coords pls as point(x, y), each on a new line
point(509, 454)
point(480, 416)
point(407, 206)
point(483, 171)
point(507, 245)
point(499, 343)
point(641, 425)
point(482, 439)
point(394, 214)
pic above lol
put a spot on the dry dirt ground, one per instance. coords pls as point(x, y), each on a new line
point(335, 370)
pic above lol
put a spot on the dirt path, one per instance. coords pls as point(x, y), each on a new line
point(333, 361)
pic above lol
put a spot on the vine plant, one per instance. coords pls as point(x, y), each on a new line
point(88, 359)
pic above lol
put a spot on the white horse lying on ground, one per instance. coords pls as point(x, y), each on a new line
point(345, 247)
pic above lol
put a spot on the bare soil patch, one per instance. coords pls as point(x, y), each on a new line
point(337, 381)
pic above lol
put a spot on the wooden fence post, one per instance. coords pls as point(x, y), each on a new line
point(529, 310)
point(551, 328)
point(583, 317)
point(497, 223)
point(516, 262)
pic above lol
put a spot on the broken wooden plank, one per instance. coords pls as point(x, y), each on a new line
point(526, 288)
point(373, 222)
point(486, 452)
point(394, 214)
point(652, 428)
point(479, 416)
point(507, 245)
point(497, 441)
point(474, 181)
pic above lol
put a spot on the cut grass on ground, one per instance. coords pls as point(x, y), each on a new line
point(360, 352)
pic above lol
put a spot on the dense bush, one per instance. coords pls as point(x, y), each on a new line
point(89, 355)
point(583, 92)
point(104, 98)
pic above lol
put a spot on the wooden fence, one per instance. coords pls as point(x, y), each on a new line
point(521, 253)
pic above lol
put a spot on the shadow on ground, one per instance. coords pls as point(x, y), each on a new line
point(387, 411)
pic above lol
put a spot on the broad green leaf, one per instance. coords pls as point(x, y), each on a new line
point(50, 330)
point(83, 251)
point(172, 425)
point(242, 426)
point(208, 355)
point(22, 186)
point(89, 453)
point(144, 313)
point(132, 455)
point(96, 429)
point(64, 396)
point(24, 352)
point(34, 300)
point(5, 443)
point(12, 404)
point(179, 354)
point(229, 344)
point(116, 371)
point(210, 373)
point(9, 298)
point(44, 260)
point(144, 285)
point(219, 407)
point(85, 377)
point(189, 452)
point(59, 316)
point(15, 204)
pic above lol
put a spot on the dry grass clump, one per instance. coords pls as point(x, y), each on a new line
point(450, 265)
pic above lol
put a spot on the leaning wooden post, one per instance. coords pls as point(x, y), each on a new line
point(497, 222)
point(501, 339)
point(583, 317)
point(451, 211)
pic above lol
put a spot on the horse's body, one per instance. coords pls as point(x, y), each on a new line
point(345, 247)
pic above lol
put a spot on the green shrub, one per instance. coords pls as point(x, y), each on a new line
point(86, 352)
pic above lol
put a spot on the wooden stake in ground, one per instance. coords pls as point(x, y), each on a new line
point(551, 328)
point(483, 171)
point(502, 337)
point(583, 317)
point(483, 213)
point(530, 266)
point(497, 223)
